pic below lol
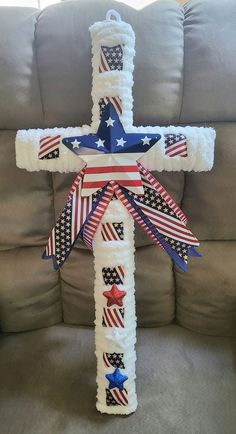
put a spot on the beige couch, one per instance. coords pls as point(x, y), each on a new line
point(185, 73)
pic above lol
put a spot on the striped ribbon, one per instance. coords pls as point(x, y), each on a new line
point(165, 223)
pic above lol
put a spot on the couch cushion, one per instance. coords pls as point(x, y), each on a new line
point(20, 102)
point(209, 90)
point(185, 383)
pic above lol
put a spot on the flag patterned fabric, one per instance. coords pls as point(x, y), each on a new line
point(111, 58)
point(112, 231)
point(113, 317)
point(49, 147)
point(165, 230)
point(176, 145)
point(99, 175)
point(113, 275)
point(116, 397)
point(120, 176)
point(115, 100)
point(91, 226)
point(113, 360)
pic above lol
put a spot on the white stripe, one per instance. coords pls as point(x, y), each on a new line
point(111, 176)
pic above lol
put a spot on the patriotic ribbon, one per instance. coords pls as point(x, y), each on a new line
point(155, 211)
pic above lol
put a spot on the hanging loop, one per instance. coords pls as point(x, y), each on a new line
point(113, 15)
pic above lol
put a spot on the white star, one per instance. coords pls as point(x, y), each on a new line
point(75, 144)
point(110, 122)
point(146, 140)
point(120, 142)
point(118, 336)
point(100, 143)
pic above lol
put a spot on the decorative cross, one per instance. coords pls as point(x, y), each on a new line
point(113, 188)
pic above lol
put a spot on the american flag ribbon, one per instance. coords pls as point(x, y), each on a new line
point(115, 100)
point(113, 275)
point(155, 210)
point(113, 360)
point(116, 397)
point(97, 176)
point(113, 317)
point(176, 145)
point(49, 147)
point(112, 231)
point(111, 58)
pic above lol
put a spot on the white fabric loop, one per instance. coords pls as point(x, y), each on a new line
point(112, 13)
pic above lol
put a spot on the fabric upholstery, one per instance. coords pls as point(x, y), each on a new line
point(185, 383)
point(184, 73)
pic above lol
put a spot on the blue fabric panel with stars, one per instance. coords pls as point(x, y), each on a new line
point(111, 137)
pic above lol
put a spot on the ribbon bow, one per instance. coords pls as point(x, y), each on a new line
point(113, 171)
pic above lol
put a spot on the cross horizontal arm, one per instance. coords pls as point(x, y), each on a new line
point(199, 141)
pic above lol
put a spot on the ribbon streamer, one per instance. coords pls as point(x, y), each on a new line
point(155, 211)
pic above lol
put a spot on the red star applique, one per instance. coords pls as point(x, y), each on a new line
point(114, 296)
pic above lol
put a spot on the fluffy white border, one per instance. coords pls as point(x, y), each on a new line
point(113, 83)
point(200, 143)
point(111, 254)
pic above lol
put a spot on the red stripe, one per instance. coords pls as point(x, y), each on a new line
point(123, 182)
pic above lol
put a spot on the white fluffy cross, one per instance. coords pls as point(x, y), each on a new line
point(116, 325)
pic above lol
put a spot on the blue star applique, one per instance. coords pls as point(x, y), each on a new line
point(116, 379)
point(111, 137)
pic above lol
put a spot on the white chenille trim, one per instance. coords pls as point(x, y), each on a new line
point(111, 254)
point(113, 83)
point(200, 146)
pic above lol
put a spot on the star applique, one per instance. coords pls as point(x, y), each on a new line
point(75, 144)
point(116, 379)
point(119, 336)
point(100, 143)
point(112, 139)
point(114, 296)
point(113, 154)
point(110, 122)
